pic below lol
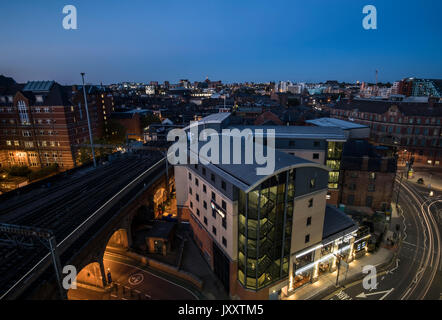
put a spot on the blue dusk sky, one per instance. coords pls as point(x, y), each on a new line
point(228, 40)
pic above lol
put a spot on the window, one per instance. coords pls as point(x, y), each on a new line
point(307, 238)
point(310, 203)
point(8, 143)
point(212, 177)
point(214, 214)
point(196, 167)
point(205, 204)
point(198, 212)
point(190, 176)
point(204, 188)
point(291, 143)
point(315, 155)
point(223, 205)
point(223, 185)
point(371, 187)
point(352, 186)
point(191, 204)
point(190, 190)
point(204, 171)
point(205, 221)
point(224, 242)
point(213, 230)
point(196, 182)
point(316, 144)
point(213, 196)
point(372, 175)
point(312, 183)
point(197, 196)
point(309, 221)
point(224, 223)
point(354, 174)
point(350, 199)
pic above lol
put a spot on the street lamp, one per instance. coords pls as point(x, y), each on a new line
point(88, 120)
point(399, 189)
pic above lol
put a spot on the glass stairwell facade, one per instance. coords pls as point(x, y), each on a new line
point(265, 226)
point(333, 161)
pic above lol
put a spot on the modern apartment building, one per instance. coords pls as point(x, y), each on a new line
point(264, 236)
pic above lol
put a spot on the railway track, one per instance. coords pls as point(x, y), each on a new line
point(63, 213)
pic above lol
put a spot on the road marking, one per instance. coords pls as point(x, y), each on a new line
point(365, 295)
point(342, 295)
point(175, 284)
point(136, 279)
point(397, 265)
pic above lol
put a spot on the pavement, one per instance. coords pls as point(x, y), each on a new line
point(327, 282)
point(194, 262)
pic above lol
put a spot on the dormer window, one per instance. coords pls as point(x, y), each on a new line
point(39, 99)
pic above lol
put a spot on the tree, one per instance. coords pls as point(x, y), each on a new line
point(19, 171)
point(115, 133)
point(148, 119)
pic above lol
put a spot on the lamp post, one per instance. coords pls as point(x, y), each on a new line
point(399, 189)
point(88, 121)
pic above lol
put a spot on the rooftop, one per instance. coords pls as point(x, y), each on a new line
point(38, 86)
point(215, 117)
point(336, 223)
point(302, 132)
point(160, 229)
point(332, 122)
point(245, 176)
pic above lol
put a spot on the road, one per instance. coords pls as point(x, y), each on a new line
point(133, 283)
point(416, 272)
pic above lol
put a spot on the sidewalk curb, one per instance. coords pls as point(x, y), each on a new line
point(354, 281)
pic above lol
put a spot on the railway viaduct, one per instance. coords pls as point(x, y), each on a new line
point(84, 249)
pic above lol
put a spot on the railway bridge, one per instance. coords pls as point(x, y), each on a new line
point(87, 229)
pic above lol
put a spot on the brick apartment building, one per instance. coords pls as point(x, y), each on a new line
point(41, 122)
point(367, 179)
point(411, 126)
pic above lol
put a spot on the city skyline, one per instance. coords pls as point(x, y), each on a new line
point(232, 42)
